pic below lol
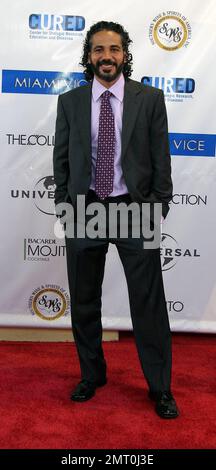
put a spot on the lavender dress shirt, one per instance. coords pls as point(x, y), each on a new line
point(119, 185)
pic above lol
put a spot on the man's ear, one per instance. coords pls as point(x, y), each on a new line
point(89, 58)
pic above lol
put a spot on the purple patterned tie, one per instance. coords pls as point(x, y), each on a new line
point(106, 147)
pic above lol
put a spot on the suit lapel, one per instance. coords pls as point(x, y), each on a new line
point(130, 111)
point(83, 113)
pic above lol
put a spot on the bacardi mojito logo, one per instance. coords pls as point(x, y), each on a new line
point(42, 249)
point(170, 30)
point(49, 302)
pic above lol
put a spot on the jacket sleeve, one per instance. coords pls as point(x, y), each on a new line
point(60, 154)
point(160, 154)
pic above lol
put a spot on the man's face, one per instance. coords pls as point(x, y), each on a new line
point(106, 56)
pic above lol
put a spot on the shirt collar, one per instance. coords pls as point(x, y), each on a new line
point(117, 89)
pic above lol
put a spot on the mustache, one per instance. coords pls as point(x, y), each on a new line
point(105, 62)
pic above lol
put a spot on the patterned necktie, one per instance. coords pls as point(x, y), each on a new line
point(106, 147)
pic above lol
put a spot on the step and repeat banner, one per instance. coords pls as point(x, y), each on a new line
point(173, 49)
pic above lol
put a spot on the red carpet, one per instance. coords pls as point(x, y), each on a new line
point(36, 380)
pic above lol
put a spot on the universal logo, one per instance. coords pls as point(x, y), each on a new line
point(170, 252)
point(170, 31)
point(49, 302)
point(43, 194)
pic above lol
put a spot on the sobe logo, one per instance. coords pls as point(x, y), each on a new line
point(56, 22)
point(170, 31)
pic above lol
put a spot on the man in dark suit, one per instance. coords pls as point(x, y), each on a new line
point(111, 145)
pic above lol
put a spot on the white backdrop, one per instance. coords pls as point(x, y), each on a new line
point(173, 48)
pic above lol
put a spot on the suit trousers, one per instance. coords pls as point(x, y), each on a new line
point(85, 264)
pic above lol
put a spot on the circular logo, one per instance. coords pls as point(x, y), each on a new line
point(49, 303)
point(170, 31)
point(168, 247)
point(44, 194)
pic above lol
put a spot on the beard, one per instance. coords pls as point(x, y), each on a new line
point(107, 76)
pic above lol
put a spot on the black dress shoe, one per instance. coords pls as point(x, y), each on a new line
point(165, 404)
point(86, 390)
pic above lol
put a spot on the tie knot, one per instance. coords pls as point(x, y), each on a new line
point(106, 95)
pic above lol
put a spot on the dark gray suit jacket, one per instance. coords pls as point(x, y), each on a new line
point(145, 149)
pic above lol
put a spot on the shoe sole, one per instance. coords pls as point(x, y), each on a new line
point(80, 400)
point(167, 417)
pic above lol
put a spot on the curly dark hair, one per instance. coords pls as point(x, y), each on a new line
point(108, 26)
